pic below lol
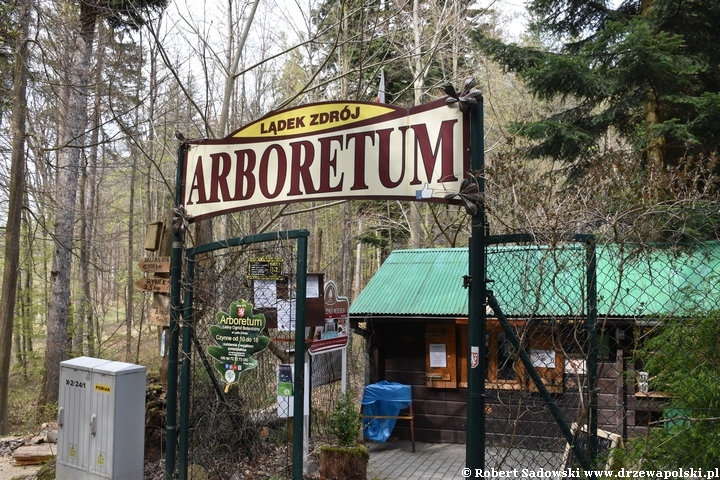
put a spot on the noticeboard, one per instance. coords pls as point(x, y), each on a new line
point(265, 268)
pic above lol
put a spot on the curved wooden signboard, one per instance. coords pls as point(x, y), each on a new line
point(329, 150)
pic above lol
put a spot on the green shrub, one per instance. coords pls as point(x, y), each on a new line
point(345, 421)
point(682, 357)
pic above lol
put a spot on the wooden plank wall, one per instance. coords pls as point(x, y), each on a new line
point(519, 417)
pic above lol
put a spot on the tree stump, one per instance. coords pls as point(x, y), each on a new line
point(344, 463)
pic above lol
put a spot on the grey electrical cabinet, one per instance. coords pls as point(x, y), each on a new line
point(101, 420)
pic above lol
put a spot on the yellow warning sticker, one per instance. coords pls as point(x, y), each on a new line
point(100, 459)
point(102, 388)
point(73, 453)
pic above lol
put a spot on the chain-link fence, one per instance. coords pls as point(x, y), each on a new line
point(615, 345)
point(240, 413)
point(597, 355)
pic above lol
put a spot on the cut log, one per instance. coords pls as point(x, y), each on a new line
point(34, 454)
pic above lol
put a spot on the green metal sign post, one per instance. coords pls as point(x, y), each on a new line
point(299, 387)
point(175, 310)
point(475, 429)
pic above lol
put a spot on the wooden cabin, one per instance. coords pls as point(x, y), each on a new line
point(414, 316)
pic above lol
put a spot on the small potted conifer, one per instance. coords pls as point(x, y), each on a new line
point(348, 458)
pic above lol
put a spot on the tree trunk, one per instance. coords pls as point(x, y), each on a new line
point(358, 264)
point(17, 332)
point(655, 144)
point(14, 214)
point(130, 287)
point(81, 303)
point(419, 84)
point(27, 298)
point(345, 248)
point(233, 68)
point(72, 141)
point(318, 249)
point(88, 226)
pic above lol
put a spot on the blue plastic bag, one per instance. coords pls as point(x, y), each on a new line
point(386, 399)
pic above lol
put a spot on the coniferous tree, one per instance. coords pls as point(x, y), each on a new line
point(647, 72)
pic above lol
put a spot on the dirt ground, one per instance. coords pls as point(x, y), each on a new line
point(8, 471)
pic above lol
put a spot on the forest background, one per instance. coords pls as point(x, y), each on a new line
point(600, 117)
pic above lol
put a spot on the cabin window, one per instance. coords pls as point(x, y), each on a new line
point(504, 370)
point(546, 355)
point(503, 367)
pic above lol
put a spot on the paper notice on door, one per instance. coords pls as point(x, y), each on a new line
point(438, 355)
point(542, 358)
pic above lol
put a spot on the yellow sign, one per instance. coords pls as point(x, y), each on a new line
point(102, 388)
point(265, 268)
point(73, 453)
point(100, 459)
point(313, 118)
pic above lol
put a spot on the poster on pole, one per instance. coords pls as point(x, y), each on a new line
point(333, 335)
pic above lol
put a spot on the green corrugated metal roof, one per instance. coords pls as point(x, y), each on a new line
point(542, 281)
point(417, 282)
point(660, 281)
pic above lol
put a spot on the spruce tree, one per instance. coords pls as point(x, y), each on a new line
point(645, 71)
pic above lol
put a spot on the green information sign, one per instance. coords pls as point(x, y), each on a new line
point(238, 335)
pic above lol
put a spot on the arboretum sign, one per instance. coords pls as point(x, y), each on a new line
point(318, 152)
point(327, 151)
point(238, 335)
